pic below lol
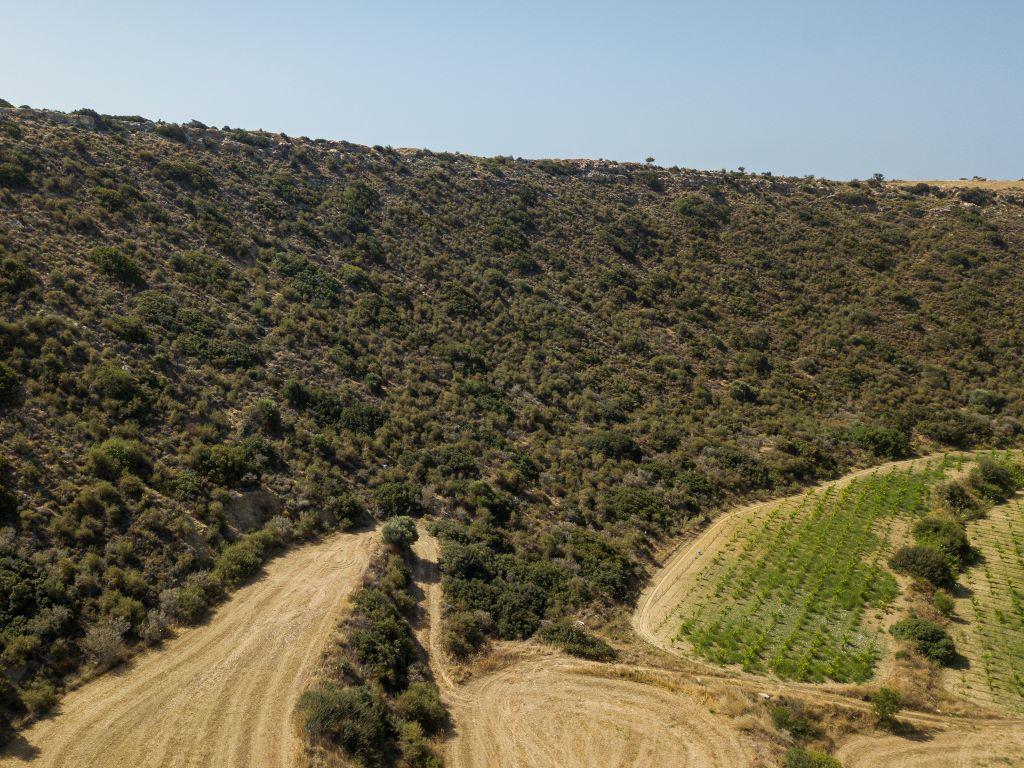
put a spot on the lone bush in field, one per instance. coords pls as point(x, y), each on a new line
point(928, 638)
point(992, 480)
point(399, 532)
point(885, 703)
point(575, 640)
point(809, 758)
point(923, 563)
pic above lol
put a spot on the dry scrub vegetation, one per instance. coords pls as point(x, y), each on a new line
point(217, 342)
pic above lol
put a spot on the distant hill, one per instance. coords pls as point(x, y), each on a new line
point(209, 332)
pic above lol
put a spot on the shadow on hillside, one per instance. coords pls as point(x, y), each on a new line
point(912, 732)
point(20, 748)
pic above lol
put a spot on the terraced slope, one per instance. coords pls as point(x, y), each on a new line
point(219, 695)
point(991, 608)
point(796, 587)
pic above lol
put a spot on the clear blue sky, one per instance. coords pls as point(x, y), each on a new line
point(908, 88)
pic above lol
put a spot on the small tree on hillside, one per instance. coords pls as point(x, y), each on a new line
point(886, 704)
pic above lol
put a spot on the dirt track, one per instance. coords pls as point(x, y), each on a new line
point(965, 747)
point(548, 711)
point(217, 696)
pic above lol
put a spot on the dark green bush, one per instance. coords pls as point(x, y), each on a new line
point(992, 480)
point(883, 442)
point(421, 703)
point(116, 263)
point(948, 537)
point(354, 718)
point(380, 638)
point(923, 562)
point(10, 385)
point(640, 505)
point(115, 457)
point(575, 640)
point(886, 704)
point(809, 758)
point(928, 638)
point(615, 445)
point(393, 499)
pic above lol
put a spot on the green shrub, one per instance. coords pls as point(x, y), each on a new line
point(10, 385)
point(240, 560)
point(943, 603)
point(39, 697)
point(414, 748)
point(266, 416)
point(615, 445)
point(117, 264)
point(640, 505)
point(993, 480)
point(116, 457)
point(576, 641)
point(886, 704)
point(809, 758)
point(928, 638)
point(465, 633)
point(883, 442)
point(924, 563)
point(12, 175)
point(393, 499)
point(115, 383)
point(399, 531)
point(947, 536)
point(421, 703)
point(355, 718)
point(15, 277)
point(380, 638)
point(957, 499)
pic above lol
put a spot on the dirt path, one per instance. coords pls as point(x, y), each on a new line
point(968, 746)
point(217, 696)
point(548, 711)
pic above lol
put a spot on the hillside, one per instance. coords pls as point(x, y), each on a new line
point(217, 341)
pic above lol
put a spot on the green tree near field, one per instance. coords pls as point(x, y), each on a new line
point(885, 703)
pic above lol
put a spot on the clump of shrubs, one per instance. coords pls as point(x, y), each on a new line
point(117, 264)
point(116, 457)
point(928, 638)
point(576, 641)
point(923, 562)
point(353, 717)
point(378, 708)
